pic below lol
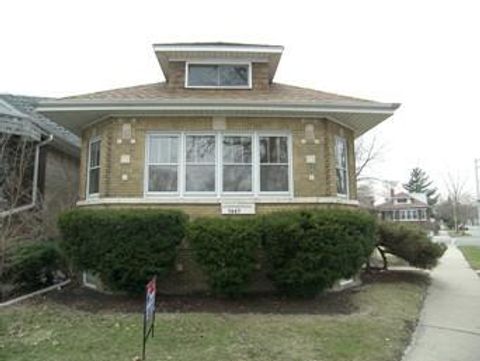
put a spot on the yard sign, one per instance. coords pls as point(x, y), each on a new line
point(149, 313)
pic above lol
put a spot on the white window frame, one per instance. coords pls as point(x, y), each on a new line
point(89, 168)
point(219, 193)
point(178, 164)
point(223, 62)
point(347, 177)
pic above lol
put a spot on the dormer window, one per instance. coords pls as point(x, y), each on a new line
point(229, 76)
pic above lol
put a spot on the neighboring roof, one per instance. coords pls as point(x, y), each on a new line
point(26, 116)
point(167, 52)
point(76, 112)
point(414, 198)
point(14, 122)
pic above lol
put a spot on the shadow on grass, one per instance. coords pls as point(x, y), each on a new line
point(331, 303)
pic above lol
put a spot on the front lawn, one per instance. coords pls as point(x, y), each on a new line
point(472, 254)
point(372, 323)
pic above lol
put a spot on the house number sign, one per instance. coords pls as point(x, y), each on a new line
point(240, 208)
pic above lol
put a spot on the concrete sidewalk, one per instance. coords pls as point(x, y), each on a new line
point(449, 327)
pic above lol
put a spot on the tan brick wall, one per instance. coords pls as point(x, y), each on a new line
point(110, 131)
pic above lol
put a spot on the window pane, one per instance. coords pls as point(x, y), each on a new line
point(233, 75)
point(274, 178)
point(163, 149)
point(162, 178)
point(273, 150)
point(95, 154)
point(237, 150)
point(200, 148)
point(341, 181)
point(200, 178)
point(237, 178)
point(202, 75)
point(94, 181)
point(341, 153)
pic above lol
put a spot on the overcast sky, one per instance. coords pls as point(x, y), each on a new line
point(423, 54)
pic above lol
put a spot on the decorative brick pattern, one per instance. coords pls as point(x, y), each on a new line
point(323, 170)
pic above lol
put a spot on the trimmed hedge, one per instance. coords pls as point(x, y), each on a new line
point(124, 247)
point(307, 251)
point(226, 248)
point(35, 265)
point(410, 243)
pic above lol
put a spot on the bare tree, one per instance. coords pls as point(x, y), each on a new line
point(456, 193)
point(366, 154)
point(20, 216)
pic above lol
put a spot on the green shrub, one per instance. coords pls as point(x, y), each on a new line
point(410, 243)
point(35, 265)
point(124, 247)
point(307, 251)
point(226, 248)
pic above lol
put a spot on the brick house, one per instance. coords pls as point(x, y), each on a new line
point(219, 136)
point(52, 182)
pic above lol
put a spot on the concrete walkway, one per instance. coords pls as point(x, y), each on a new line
point(449, 327)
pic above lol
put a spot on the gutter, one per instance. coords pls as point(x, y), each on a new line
point(34, 184)
point(99, 105)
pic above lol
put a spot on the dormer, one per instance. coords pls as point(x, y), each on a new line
point(402, 200)
point(212, 66)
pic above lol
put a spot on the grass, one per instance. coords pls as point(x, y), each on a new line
point(458, 234)
point(379, 329)
point(472, 254)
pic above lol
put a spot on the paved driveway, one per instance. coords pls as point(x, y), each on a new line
point(472, 240)
point(449, 326)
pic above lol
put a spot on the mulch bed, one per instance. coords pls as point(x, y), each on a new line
point(92, 301)
point(336, 303)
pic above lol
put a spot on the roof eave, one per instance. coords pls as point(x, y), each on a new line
point(76, 116)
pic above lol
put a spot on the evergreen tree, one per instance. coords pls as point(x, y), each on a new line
point(420, 183)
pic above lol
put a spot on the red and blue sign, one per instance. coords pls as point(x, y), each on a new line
point(149, 313)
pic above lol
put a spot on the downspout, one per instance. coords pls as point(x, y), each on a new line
point(34, 184)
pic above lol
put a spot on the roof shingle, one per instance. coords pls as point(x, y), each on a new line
point(277, 93)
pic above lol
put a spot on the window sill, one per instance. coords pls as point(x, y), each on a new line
point(286, 199)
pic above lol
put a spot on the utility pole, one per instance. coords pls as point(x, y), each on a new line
point(477, 185)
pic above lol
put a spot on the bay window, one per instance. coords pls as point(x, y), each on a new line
point(215, 164)
point(93, 171)
point(341, 166)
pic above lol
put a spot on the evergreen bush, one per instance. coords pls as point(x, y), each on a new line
point(35, 265)
point(124, 247)
point(307, 251)
point(226, 248)
point(410, 243)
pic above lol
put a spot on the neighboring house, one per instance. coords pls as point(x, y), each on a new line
point(218, 137)
point(404, 207)
point(53, 177)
